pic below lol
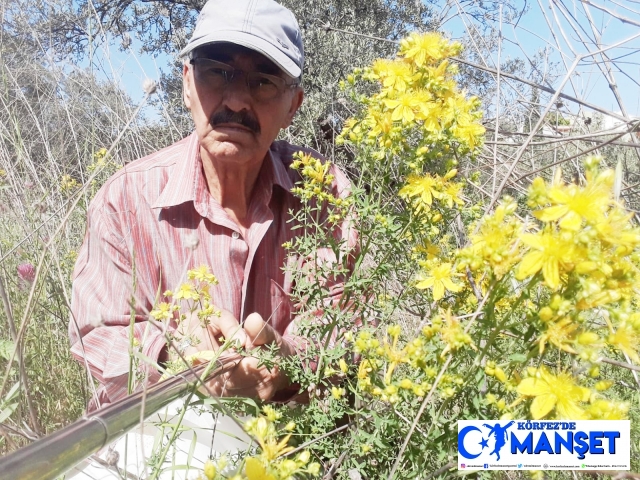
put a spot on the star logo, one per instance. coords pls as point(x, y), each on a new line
point(484, 443)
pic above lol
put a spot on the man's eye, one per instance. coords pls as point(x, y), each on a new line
point(265, 81)
point(216, 71)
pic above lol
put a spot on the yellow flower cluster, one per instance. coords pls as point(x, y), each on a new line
point(102, 161)
point(418, 102)
point(315, 175)
point(580, 253)
point(68, 185)
point(377, 356)
point(271, 463)
point(196, 295)
point(495, 248)
point(452, 333)
point(585, 232)
point(196, 292)
point(586, 250)
point(317, 184)
point(381, 360)
point(421, 190)
point(213, 469)
point(104, 165)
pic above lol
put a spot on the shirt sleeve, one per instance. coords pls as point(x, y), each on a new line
point(106, 294)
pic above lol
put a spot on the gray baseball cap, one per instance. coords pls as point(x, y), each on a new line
point(261, 25)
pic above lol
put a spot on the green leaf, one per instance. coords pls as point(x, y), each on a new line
point(11, 394)
point(6, 348)
point(518, 358)
point(7, 411)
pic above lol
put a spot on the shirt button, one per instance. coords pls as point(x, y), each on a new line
point(235, 235)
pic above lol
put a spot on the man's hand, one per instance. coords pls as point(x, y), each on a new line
point(248, 379)
point(191, 336)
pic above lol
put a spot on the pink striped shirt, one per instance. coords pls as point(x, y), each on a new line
point(154, 220)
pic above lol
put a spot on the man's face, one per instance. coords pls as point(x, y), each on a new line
point(233, 124)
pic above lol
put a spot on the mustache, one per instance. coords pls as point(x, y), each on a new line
point(243, 118)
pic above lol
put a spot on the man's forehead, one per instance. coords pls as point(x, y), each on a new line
point(230, 52)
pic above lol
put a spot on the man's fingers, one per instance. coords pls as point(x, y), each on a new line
point(258, 331)
point(246, 379)
point(229, 327)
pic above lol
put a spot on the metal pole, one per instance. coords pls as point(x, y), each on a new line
point(52, 456)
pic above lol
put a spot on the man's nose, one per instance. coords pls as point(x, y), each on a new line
point(237, 95)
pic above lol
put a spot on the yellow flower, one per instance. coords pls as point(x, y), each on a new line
point(451, 194)
point(406, 383)
point(254, 470)
point(68, 184)
point(337, 393)
point(572, 204)
point(210, 470)
point(265, 434)
point(439, 279)
point(500, 375)
point(427, 48)
point(344, 368)
point(164, 311)
point(394, 330)
point(468, 130)
point(605, 410)
point(496, 244)
point(551, 254)
point(271, 413)
point(603, 385)
point(560, 334)
point(394, 74)
point(616, 229)
point(429, 250)
point(554, 391)
point(453, 335)
point(626, 339)
point(424, 188)
point(203, 274)
point(186, 291)
point(405, 107)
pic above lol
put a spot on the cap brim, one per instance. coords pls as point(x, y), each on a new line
point(249, 41)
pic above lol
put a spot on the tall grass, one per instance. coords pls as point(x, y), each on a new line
point(57, 122)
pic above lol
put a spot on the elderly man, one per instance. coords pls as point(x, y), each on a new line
point(220, 197)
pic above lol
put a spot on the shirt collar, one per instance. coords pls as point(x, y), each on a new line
point(187, 182)
point(184, 177)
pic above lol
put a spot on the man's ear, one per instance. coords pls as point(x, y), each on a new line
point(296, 101)
point(186, 84)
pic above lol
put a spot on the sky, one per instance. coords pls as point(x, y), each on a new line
point(540, 28)
point(546, 29)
